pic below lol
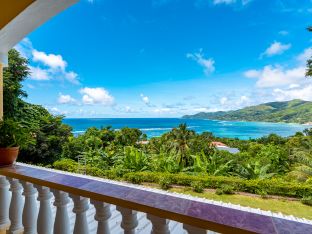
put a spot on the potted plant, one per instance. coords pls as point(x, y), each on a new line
point(12, 137)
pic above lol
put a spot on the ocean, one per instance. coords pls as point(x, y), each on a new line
point(157, 126)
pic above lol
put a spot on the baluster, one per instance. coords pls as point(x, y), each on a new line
point(16, 207)
point(194, 230)
point(102, 215)
point(4, 203)
point(160, 225)
point(61, 224)
point(30, 208)
point(81, 205)
point(129, 220)
point(45, 217)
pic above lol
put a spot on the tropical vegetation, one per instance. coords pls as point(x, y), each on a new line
point(270, 165)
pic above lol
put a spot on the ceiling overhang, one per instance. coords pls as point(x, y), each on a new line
point(20, 17)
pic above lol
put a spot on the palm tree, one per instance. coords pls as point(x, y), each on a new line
point(178, 143)
point(256, 171)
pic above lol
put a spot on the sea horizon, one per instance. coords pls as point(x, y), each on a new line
point(154, 127)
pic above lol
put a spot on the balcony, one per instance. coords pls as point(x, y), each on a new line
point(40, 200)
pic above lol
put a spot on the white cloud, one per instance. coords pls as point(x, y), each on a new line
point(276, 76)
point(36, 73)
point(65, 99)
point(71, 77)
point(145, 99)
point(51, 60)
point(283, 32)
point(275, 48)
point(300, 92)
point(56, 111)
point(252, 74)
point(201, 109)
point(206, 63)
point(216, 2)
point(273, 76)
point(30, 86)
point(128, 109)
point(305, 55)
point(25, 48)
point(163, 110)
point(229, 2)
point(48, 66)
point(96, 96)
point(223, 100)
point(243, 101)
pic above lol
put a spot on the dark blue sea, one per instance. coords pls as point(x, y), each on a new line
point(157, 126)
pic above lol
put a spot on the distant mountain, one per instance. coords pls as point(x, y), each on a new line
point(295, 111)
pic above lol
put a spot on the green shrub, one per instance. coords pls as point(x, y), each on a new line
point(263, 193)
point(197, 186)
point(262, 187)
point(165, 183)
point(225, 189)
point(135, 179)
point(66, 165)
point(307, 200)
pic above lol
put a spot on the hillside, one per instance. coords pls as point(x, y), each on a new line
point(295, 111)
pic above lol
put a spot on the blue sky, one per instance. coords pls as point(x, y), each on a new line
point(167, 58)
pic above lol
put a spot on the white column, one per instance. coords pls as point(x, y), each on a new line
point(61, 224)
point(30, 208)
point(129, 220)
point(102, 215)
point(45, 217)
point(194, 230)
point(4, 203)
point(81, 205)
point(16, 207)
point(160, 225)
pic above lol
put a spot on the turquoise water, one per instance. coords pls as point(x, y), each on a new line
point(157, 126)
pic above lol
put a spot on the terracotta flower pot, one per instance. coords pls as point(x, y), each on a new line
point(8, 156)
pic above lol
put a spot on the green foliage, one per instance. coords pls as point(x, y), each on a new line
point(268, 165)
point(48, 133)
point(49, 138)
point(133, 159)
point(13, 134)
point(270, 186)
point(165, 183)
point(13, 76)
point(295, 111)
point(178, 143)
point(128, 136)
point(197, 186)
point(307, 200)
point(225, 189)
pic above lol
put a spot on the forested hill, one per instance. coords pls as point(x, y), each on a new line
point(295, 111)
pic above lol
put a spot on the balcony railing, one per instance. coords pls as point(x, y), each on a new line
point(39, 200)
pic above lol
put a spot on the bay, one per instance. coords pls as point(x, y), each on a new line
point(154, 127)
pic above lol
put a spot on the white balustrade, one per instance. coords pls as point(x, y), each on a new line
point(81, 205)
point(102, 215)
point(26, 207)
point(129, 220)
point(16, 207)
point(45, 217)
point(194, 230)
point(61, 224)
point(4, 203)
point(30, 208)
point(160, 225)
